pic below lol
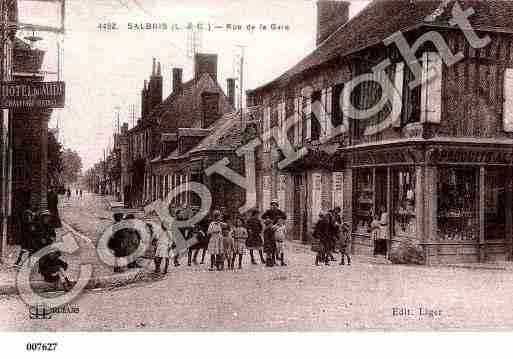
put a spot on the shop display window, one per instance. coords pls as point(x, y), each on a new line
point(405, 222)
point(364, 200)
point(458, 218)
point(494, 205)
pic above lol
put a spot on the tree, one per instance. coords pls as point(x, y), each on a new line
point(72, 166)
point(54, 160)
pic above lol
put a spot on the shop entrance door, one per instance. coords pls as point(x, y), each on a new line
point(381, 209)
point(298, 215)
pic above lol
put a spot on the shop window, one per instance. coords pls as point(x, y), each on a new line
point(494, 206)
point(404, 216)
point(457, 204)
point(364, 200)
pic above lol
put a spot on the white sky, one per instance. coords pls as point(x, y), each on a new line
point(104, 70)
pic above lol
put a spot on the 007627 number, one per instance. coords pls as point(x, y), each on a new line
point(38, 347)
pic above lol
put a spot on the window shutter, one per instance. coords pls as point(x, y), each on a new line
point(322, 114)
point(282, 186)
point(329, 107)
point(308, 113)
point(316, 195)
point(301, 120)
point(337, 190)
point(296, 121)
point(431, 102)
point(266, 191)
point(508, 101)
point(267, 126)
point(398, 94)
point(283, 123)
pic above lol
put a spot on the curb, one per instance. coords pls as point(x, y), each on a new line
point(477, 267)
point(305, 248)
point(117, 280)
point(114, 281)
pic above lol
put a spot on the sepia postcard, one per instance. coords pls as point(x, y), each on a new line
point(241, 166)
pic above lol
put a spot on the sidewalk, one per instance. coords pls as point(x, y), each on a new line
point(85, 219)
point(381, 260)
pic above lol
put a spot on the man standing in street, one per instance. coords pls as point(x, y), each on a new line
point(53, 202)
point(274, 213)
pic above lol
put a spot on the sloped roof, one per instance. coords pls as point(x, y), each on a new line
point(382, 18)
point(181, 109)
point(226, 132)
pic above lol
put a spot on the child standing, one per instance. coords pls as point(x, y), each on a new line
point(164, 243)
point(215, 244)
point(342, 243)
point(254, 242)
point(269, 243)
point(374, 230)
point(227, 245)
point(197, 237)
point(321, 236)
point(240, 236)
point(280, 233)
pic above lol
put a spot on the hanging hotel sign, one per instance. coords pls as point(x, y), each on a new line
point(32, 94)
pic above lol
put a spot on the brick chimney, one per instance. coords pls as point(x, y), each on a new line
point(155, 87)
point(205, 63)
point(177, 80)
point(124, 128)
point(210, 108)
point(331, 14)
point(230, 85)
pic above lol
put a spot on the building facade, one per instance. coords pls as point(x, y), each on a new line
point(171, 128)
point(439, 175)
point(7, 61)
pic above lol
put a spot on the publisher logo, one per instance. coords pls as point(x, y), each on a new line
point(45, 312)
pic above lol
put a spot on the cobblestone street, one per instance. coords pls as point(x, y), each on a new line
point(300, 296)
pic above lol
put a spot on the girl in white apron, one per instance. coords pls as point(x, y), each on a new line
point(215, 245)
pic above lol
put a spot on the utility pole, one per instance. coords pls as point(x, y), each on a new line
point(241, 81)
point(117, 108)
point(4, 187)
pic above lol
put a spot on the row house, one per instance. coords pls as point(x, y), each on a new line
point(191, 160)
point(176, 124)
point(142, 139)
point(439, 175)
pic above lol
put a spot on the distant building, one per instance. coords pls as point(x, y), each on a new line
point(177, 123)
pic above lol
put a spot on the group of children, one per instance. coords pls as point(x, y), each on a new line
point(227, 244)
point(329, 235)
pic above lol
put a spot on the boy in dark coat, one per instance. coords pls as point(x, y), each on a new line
point(52, 268)
point(254, 242)
point(269, 243)
point(322, 234)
